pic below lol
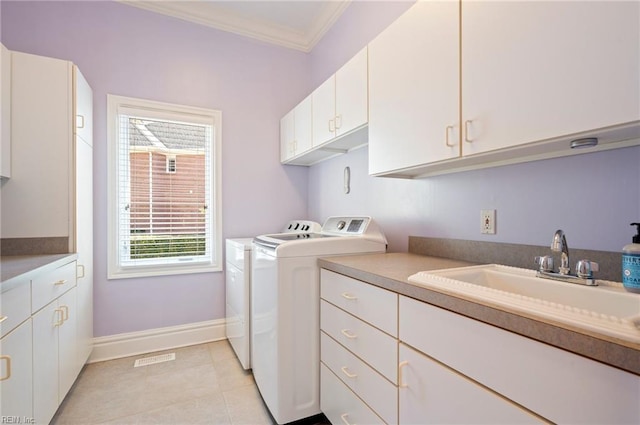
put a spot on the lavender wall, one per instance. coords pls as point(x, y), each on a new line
point(130, 52)
point(592, 197)
point(127, 51)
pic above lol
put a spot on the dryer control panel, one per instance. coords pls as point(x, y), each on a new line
point(346, 225)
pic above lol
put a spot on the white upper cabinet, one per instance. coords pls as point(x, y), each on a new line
point(414, 89)
point(324, 111)
point(340, 103)
point(470, 84)
point(538, 70)
point(338, 116)
point(35, 202)
point(287, 137)
point(5, 112)
point(295, 131)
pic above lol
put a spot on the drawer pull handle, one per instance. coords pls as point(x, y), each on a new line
point(349, 296)
point(346, 372)
point(3, 318)
point(60, 282)
point(80, 274)
point(8, 359)
point(400, 366)
point(344, 419)
point(348, 334)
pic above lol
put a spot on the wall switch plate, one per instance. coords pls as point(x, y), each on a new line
point(488, 222)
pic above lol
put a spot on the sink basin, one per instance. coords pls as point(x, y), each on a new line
point(607, 308)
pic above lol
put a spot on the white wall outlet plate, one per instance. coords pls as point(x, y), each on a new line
point(488, 222)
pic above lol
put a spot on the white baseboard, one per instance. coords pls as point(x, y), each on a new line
point(134, 343)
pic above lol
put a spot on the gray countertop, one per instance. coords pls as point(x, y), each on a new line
point(18, 268)
point(391, 271)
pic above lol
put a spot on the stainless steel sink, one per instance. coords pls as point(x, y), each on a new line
point(607, 308)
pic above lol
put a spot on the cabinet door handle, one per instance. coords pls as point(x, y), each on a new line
point(449, 130)
point(8, 367)
point(467, 124)
point(3, 318)
point(348, 334)
point(65, 312)
point(332, 126)
point(60, 317)
point(347, 373)
point(60, 282)
point(400, 366)
point(79, 274)
point(349, 296)
point(338, 121)
point(344, 417)
point(79, 121)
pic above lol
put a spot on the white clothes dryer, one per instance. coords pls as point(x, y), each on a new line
point(238, 289)
point(285, 302)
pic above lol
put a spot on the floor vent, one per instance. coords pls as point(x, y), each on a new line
point(161, 358)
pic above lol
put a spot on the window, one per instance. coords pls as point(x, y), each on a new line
point(164, 188)
point(171, 164)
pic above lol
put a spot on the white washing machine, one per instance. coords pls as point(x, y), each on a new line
point(285, 303)
point(238, 289)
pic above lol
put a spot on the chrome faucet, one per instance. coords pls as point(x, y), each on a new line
point(584, 268)
point(559, 244)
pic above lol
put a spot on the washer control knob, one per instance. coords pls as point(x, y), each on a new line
point(341, 224)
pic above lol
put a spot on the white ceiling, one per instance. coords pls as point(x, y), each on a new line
point(296, 24)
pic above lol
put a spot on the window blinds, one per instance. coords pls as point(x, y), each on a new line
point(165, 192)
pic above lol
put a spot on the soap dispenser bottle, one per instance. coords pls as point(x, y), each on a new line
point(631, 263)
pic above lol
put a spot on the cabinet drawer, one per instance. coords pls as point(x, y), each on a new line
point(49, 286)
point(372, 345)
point(375, 390)
point(372, 304)
point(340, 405)
point(15, 307)
point(558, 385)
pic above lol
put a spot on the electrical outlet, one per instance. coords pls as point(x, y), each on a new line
point(488, 222)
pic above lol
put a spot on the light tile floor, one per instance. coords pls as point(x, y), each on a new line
point(205, 384)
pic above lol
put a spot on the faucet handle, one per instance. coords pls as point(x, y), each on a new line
point(545, 263)
point(585, 268)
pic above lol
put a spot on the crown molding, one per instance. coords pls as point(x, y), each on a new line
point(215, 16)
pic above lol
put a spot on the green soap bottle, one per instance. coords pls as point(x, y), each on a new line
point(631, 263)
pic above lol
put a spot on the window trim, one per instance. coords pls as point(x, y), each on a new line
point(161, 110)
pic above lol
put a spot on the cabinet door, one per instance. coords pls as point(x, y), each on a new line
point(84, 247)
point(431, 393)
point(84, 107)
point(414, 89)
point(36, 201)
point(5, 112)
point(352, 94)
point(303, 128)
point(67, 343)
point(287, 137)
point(16, 398)
point(324, 111)
point(537, 70)
point(45, 362)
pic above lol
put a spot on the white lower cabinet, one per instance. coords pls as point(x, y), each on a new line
point(559, 386)
point(16, 374)
point(341, 405)
point(433, 366)
point(54, 355)
point(431, 393)
point(358, 351)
